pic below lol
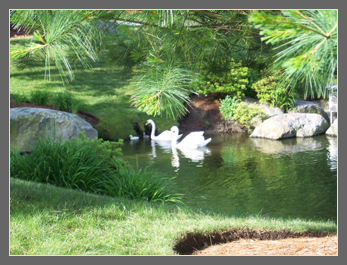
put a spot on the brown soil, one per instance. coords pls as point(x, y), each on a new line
point(204, 115)
point(257, 242)
point(291, 246)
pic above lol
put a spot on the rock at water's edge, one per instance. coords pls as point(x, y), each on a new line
point(302, 106)
point(332, 131)
point(291, 125)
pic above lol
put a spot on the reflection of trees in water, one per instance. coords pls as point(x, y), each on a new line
point(294, 182)
point(238, 177)
point(288, 146)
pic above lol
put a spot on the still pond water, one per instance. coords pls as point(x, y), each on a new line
point(294, 177)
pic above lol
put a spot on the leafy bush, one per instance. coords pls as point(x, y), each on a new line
point(228, 106)
point(269, 91)
point(265, 87)
point(230, 79)
point(243, 113)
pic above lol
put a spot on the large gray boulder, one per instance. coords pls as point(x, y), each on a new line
point(291, 125)
point(332, 131)
point(303, 106)
point(27, 125)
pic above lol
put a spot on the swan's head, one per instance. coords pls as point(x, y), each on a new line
point(149, 121)
point(174, 129)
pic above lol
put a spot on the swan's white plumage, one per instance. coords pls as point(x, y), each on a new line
point(191, 141)
point(133, 137)
point(165, 135)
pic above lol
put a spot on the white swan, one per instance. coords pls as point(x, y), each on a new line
point(191, 141)
point(165, 135)
point(133, 137)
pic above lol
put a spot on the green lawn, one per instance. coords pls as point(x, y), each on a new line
point(103, 91)
point(47, 220)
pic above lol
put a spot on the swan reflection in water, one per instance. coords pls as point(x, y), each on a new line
point(165, 146)
point(195, 155)
point(193, 147)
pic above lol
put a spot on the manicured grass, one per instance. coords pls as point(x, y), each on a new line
point(48, 220)
point(102, 91)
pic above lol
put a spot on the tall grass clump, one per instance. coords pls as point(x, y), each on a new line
point(39, 98)
point(19, 98)
point(65, 164)
point(64, 101)
point(143, 184)
point(90, 165)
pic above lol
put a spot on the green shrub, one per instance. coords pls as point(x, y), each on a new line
point(19, 98)
point(283, 99)
point(68, 165)
point(228, 106)
point(64, 101)
point(244, 113)
point(111, 149)
point(90, 165)
point(228, 79)
point(142, 184)
point(39, 98)
point(268, 91)
point(265, 87)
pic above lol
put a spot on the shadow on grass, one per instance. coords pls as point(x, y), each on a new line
point(28, 198)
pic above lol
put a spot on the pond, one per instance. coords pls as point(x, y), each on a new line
point(236, 174)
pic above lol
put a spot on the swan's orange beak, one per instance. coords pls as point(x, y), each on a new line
point(146, 123)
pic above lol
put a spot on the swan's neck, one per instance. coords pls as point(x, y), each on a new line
point(174, 139)
point(153, 130)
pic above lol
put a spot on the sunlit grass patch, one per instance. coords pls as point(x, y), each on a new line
point(48, 220)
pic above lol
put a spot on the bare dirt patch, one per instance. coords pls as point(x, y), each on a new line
point(257, 242)
point(204, 115)
point(305, 246)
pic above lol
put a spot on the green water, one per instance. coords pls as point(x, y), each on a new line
point(236, 174)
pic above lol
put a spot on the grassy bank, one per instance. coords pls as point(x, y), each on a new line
point(47, 220)
point(102, 91)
